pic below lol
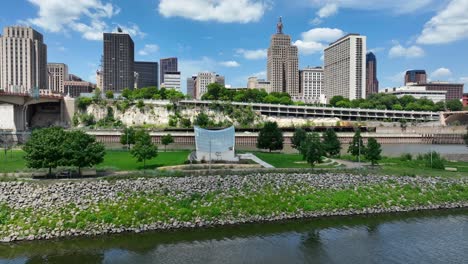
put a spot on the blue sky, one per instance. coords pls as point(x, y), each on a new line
point(231, 37)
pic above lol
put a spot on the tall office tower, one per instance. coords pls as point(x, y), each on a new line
point(191, 84)
point(147, 74)
point(311, 85)
point(204, 79)
point(416, 76)
point(23, 60)
point(171, 80)
point(57, 75)
point(372, 83)
point(119, 59)
point(167, 65)
point(283, 64)
point(345, 68)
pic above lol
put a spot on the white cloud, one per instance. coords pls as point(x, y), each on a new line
point(253, 54)
point(396, 6)
point(86, 17)
point(260, 75)
point(398, 78)
point(449, 25)
point(464, 80)
point(148, 49)
point(409, 52)
point(224, 11)
point(230, 64)
point(441, 73)
point(329, 9)
point(316, 40)
point(133, 30)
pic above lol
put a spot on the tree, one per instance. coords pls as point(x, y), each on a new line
point(144, 149)
point(109, 94)
point(202, 120)
point(454, 105)
point(45, 148)
point(373, 151)
point(466, 137)
point(127, 94)
point(82, 150)
point(312, 149)
point(331, 143)
point(336, 99)
point(270, 137)
point(357, 146)
point(166, 140)
point(128, 137)
point(298, 137)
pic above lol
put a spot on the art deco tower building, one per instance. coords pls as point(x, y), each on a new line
point(23, 61)
point(283, 64)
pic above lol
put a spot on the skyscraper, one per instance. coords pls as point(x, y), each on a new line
point(147, 73)
point(167, 65)
point(283, 63)
point(372, 83)
point(345, 67)
point(191, 84)
point(203, 80)
point(416, 76)
point(311, 85)
point(57, 75)
point(119, 58)
point(23, 59)
point(172, 80)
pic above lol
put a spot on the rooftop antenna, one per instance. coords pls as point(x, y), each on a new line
point(119, 30)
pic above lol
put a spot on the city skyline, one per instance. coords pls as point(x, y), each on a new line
point(245, 37)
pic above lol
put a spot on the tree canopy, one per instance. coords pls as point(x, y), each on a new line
point(144, 149)
point(312, 149)
point(373, 151)
point(356, 148)
point(331, 143)
point(218, 92)
point(270, 137)
point(166, 140)
point(298, 137)
point(391, 102)
point(53, 147)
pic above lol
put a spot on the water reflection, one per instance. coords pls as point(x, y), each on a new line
point(422, 237)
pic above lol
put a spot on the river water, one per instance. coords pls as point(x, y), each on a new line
point(421, 237)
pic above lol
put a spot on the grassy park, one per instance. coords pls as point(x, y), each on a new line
point(117, 160)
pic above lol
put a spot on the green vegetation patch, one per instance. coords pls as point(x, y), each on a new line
point(137, 209)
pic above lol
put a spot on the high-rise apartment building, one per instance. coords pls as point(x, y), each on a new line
point(372, 83)
point(204, 79)
point(23, 59)
point(118, 62)
point(416, 76)
point(171, 80)
point(147, 74)
point(168, 65)
point(283, 63)
point(57, 75)
point(311, 80)
point(345, 67)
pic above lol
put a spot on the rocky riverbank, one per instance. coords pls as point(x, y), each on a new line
point(39, 210)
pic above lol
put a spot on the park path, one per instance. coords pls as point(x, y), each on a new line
point(251, 156)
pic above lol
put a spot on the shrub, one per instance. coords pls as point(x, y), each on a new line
point(406, 157)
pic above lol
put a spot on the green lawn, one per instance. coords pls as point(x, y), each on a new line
point(395, 166)
point(119, 160)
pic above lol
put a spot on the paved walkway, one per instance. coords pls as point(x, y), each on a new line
point(250, 156)
point(351, 164)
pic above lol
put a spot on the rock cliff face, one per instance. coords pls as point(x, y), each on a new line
point(161, 115)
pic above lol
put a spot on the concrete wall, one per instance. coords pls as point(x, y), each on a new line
point(7, 117)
